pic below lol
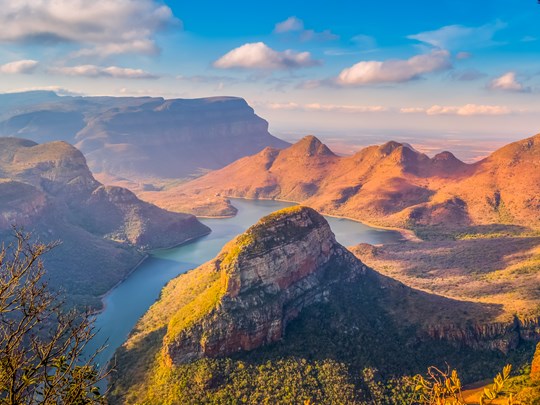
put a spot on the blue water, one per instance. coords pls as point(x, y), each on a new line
point(125, 304)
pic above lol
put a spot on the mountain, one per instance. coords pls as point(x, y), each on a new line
point(284, 300)
point(49, 190)
point(389, 185)
point(141, 139)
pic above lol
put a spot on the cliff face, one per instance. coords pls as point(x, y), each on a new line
point(141, 138)
point(499, 336)
point(269, 274)
point(50, 190)
point(287, 289)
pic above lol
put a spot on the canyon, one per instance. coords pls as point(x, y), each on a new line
point(270, 288)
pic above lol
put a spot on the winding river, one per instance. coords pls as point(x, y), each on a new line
point(126, 303)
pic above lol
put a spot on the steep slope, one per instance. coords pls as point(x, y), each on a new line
point(50, 191)
point(286, 294)
point(141, 139)
point(390, 185)
point(374, 185)
point(505, 187)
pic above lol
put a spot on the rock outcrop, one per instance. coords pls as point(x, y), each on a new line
point(268, 275)
point(499, 336)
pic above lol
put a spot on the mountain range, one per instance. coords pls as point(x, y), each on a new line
point(388, 185)
point(140, 139)
point(49, 190)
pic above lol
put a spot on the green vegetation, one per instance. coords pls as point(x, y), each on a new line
point(328, 356)
point(492, 231)
point(192, 312)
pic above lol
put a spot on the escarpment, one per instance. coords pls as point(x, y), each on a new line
point(288, 261)
point(499, 336)
point(138, 139)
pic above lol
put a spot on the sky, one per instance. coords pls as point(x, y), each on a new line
point(457, 75)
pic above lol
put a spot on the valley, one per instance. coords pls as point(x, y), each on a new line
point(253, 203)
point(125, 304)
point(420, 261)
point(256, 307)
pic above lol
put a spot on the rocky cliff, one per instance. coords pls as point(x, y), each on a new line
point(50, 190)
point(141, 139)
point(283, 264)
point(499, 336)
point(286, 289)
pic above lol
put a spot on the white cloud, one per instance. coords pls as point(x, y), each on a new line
point(507, 82)
point(458, 36)
point(294, 24)
point(463, 55)
point(344, 108)
point(394, 71)
point(464, 110)
point(19, 66)
point(61, 91)
point(259, 56)
point(290, 24)
point(282, 106)
point(412, 110)
point(103, 27)
point(99, 71)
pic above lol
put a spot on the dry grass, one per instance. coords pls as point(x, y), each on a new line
point(492, 271)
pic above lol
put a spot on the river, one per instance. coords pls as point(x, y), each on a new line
point(126, 303)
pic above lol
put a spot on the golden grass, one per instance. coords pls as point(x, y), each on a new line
point(503, 271)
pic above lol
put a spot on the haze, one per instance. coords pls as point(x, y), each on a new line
point(439, 75)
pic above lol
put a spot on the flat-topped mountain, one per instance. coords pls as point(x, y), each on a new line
point(285, 289)
point(49, 190)
point(141, 138)
point(390, 184)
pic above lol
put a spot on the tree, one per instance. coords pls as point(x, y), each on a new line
point(535, 366)
point(41, 344)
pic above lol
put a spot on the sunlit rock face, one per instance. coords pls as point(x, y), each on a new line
point(283, 264)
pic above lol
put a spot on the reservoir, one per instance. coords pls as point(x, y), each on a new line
point(126, 303)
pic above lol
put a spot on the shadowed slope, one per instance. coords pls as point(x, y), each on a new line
point(50, 191)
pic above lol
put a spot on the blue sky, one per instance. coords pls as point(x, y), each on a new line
point(459, 75)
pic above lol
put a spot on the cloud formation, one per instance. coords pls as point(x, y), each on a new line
point(296, 25)
point(290, 24)
point(456, 37)
point(99, 71)
point(345, 108)
point(464, 110)
point(467, 75)
point(19, 66)
point(259, 56)
point(507, 82)
point(102, 27)
point(394, 71)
